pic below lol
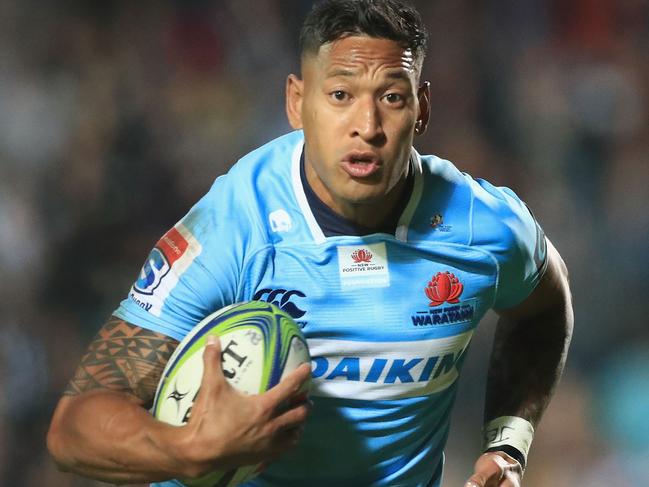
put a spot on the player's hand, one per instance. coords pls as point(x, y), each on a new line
point(495, 469)
point(229, 429)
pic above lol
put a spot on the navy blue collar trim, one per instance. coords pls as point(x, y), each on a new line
point(332, 224)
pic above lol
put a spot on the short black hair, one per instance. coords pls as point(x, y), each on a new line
point(398, 21)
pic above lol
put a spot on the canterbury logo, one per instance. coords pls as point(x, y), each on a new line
point(282, 299)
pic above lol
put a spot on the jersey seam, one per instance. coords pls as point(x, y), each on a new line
point(207, 230)
point(497, 286)
point(197, 294)
point(247, 262)
point(471, 210)
point(535, 280)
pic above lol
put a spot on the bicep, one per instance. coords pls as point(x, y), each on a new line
point(551, 295)
point(125, 358)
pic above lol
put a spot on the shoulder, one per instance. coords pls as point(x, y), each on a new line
point(495, 220)
point(501, 220)
point(483, 196)
point(272, 158)
point(239, 198)
point(479, 213)
point(473, 211)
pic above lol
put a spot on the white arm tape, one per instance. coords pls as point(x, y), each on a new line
point(508, 430)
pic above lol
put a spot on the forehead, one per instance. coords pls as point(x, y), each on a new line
point(355, 55)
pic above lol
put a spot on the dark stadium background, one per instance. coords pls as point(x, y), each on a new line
point(115, 116)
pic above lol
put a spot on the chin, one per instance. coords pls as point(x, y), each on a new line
point(365, 197)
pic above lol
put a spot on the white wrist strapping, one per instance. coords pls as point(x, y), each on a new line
point(508, 430)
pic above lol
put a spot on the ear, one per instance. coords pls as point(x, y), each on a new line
point(294, 97)
point(423, 94)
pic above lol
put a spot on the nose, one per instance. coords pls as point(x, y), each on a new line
point(367, 122)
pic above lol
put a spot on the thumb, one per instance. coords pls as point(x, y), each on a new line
point(476, 480)
point(485, 473)
point(212, 364)
point(489, 470)
point(212, 381)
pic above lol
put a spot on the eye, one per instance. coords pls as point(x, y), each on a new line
point(394, 98)
point(339, 95)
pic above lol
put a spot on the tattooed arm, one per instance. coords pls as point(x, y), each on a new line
point(528, 356)
point(102, 429)
point(123, 358)
point(104, 405)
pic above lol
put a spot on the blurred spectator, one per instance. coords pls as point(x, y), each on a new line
point(116, 116)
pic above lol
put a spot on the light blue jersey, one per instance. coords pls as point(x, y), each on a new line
point(388, 318)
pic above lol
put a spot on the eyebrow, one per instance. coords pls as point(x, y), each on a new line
point(340, 72)
point(349, 73)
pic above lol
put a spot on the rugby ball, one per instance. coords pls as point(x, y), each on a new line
point(260, 344)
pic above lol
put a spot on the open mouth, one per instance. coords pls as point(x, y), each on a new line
point(361, 164)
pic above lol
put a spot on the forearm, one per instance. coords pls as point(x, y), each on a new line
point(110, 436)
point(526, 364)
point(101, 427)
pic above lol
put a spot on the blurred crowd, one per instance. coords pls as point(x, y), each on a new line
point(116, 116)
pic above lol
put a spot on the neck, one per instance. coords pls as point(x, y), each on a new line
point(370, 214)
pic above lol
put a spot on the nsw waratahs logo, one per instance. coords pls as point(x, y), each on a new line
point(361, 255)
point(444, 287)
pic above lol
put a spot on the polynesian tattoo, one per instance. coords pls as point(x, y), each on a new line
point(123, 357)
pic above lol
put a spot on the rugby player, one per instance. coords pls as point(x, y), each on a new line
point(387, 258)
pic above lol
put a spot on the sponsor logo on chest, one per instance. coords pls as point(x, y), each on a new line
point(363, 265)
point(385, 370)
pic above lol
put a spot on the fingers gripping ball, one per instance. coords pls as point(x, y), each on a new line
point(260, 344)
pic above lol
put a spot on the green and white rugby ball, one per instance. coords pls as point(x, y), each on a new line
point(260, 344)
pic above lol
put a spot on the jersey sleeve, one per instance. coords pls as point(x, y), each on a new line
point(193, 270)
point(507, 227)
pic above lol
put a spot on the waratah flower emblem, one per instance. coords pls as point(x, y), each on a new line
point(361, 255)
point(444, 287)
